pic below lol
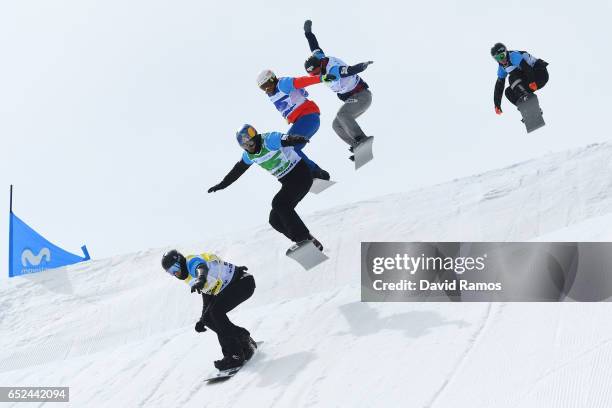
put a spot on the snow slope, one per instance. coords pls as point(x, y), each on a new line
point(120, 333)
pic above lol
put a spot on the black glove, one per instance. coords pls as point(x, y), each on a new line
point(197, 286)
point(199, 327)
point(292, 140)
point(364, 65)
point(215, 188)
point(241, 269)
point(307, 26)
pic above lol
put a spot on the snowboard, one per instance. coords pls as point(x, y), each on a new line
point(224, 375)
point(362, 153)
point(320, 185)
point(529, 107)
point(306, 254)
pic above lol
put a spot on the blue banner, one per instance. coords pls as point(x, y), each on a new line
point(29, 252)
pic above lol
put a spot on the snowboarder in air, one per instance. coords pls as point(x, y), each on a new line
point(344, 81)
point(526, 74)
point(291, 100)
point(275, 153)
point(223, 287)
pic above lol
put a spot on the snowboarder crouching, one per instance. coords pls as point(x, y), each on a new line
point(526, 74)
point(274, 152)
point(223, 287)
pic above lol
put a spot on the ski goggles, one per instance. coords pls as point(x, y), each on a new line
point(245, 136)
point(265, 85)
point(500, 57)
point(247, 142)
point(172, 270)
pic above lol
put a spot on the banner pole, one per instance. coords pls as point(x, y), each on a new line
point(11, 235)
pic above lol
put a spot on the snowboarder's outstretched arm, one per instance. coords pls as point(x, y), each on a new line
point(355, 69)
point(346, 71)
point(288, 84)
point(312, 40)
point(234, 174)
point(497, 95)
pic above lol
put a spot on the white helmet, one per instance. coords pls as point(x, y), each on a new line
point(264, 76)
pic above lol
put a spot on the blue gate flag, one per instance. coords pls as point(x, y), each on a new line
point(29, 252)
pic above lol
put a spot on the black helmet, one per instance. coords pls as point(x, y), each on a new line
point(498, 48)
point(170, 259)
point(313, 62)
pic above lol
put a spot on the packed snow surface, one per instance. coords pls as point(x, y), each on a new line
point(119, 331)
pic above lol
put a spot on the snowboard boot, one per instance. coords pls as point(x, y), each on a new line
point(358, 140)
point(231, 361)
point(522, 93)
point(248, 347)
point(320, 174)
point(315, 242)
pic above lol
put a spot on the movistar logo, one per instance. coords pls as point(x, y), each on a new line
point(28, 257)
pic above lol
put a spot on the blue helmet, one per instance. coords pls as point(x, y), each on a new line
point(245, 134)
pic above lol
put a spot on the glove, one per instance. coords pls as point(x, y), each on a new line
point(197, 286)
point(364, 65)
point(215, 188)
point(328, 78)
point(292, 140)
point(533, 86)
point(199, 327)
point(498, 110)
point(241, 269)
point(307, 26)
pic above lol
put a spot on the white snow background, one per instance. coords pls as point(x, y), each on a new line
point(116, 116)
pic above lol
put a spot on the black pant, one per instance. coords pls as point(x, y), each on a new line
point(541, 78)
point(283, 218)
point(215, 316)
